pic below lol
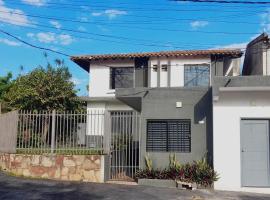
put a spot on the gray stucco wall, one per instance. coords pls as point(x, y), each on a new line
point(196, 105)
point(239, 81)
point(160, 103)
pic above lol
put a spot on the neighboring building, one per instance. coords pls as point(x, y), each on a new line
point(257, 57)
point(241, 114)
point(172, 92)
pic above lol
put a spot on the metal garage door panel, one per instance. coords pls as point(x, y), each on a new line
point(255, 152)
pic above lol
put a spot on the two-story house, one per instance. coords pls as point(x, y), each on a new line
point(170, 89)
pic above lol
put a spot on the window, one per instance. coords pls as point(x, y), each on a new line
point(155, 67)
point(197, 75)
point(168, 136)
point(164, 68)
point(121, 77)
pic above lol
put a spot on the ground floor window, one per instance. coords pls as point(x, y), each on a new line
point(168, 136)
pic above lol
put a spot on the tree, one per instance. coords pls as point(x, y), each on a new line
point(5, 83)
point(43, 89)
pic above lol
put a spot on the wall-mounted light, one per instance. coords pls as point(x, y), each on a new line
point(179, 104)
point(201, 122)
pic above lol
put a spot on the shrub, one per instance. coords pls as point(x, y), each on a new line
point(199, 172)
point(148, 163)
point(152, 174)
point(204, 175)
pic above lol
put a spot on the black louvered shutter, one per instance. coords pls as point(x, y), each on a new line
point(168, 136)
point(156, 136)
point(179, 136)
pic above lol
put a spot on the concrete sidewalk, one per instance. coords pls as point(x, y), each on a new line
point(29, 189)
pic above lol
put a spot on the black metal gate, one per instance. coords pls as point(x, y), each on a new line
point(125, 145)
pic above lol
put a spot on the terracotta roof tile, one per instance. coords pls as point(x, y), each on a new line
point(182, 53)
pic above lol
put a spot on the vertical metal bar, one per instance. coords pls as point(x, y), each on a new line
point(126, 143)
point(59, 134)
point(67, 125)
point(120, 145)
point(77, 128)
point(20, 130)
point(70, 129)
point(72, 132)
point(35, 130)
point(48, 118)
point(130, 170)
point(95, 128)
point(29, 131)
point(22, 133)
point(56, 131)
point(139, 133)
point(64, 131)
point(53, 132)
point(42, 131)
point(112, 145)
point(98, 129)
point(39, 133)
point(115, 135)
point(132, 138)
point(87, 129)
point(45, 123)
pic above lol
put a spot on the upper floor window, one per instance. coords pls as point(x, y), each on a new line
point(121, 77)
point(155, 68)
point(197, 75)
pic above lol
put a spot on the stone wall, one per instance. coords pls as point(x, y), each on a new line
point(88, 168)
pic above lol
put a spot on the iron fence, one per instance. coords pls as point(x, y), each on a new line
point(61, 132)
point(125, 144)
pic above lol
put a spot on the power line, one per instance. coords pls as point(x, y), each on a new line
point(122, 40)
point(226, 2)
point(101, 8)
point(32, 45)
point(200, 10)
point(160, 19)
point(152, 28)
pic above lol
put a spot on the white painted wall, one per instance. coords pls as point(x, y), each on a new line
point(163, 74)
point(99, 77)
point(95, 110)
point(227, 113)
point(176, 66)
point(267, 62)
point(152, 74)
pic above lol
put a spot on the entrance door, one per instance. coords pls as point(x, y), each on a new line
point(255, 152)
point(125, 143)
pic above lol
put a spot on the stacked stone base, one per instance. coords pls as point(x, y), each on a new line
point(88, 168)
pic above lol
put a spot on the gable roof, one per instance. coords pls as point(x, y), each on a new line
point(83, 60)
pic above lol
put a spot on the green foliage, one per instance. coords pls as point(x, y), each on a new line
point(148, 163)
point(204, 174)
point(173, 163)
point(29, 140)
point(5, 84)
point(199, 172)
point(43, 89)
point(122, 142)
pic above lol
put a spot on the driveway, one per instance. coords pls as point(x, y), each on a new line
point(29, 189)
